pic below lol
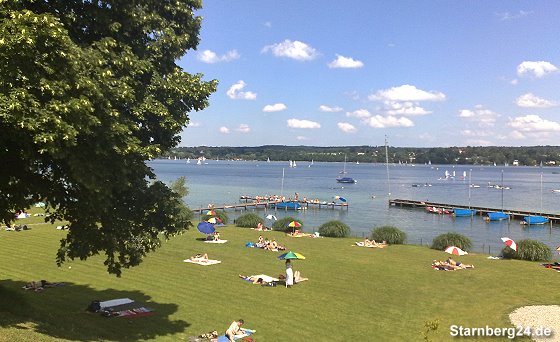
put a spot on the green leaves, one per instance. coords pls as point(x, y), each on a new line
point(88, 92)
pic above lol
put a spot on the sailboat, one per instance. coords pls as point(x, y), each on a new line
point(459, 212)
point(347, 180)
point(268, 160)
point(344, 167)
point(188, 160)
point(535, 219)
point(498, 215)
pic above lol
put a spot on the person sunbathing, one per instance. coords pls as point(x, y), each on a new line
point(39, 285)
point(443, 266)
point(458, 264)
point(253, 279)
point(200, 257)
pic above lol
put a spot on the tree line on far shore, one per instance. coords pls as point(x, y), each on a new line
point(481, 155)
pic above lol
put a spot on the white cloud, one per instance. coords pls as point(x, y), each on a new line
point(346, 127)
point(479, 142)
point(345, 62)
point(515, 81)
point(243, 128)
point(483, 117)
point(531, 101)
point(296, 123)
point(277, 107)
point(210, 57)
point(360, 114)
point(224, 130)
point(292, 49)
point(533, 123)
point(301, 137)
point(324, 108)
point(516, 135)
point(268, 24)
point(510, 16)
point(194, 124)
point(407, 92)
point(405, 108)
point(379, 121)
point(234, 92)
point(539, 69)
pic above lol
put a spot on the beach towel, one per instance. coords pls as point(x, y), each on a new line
point(203, 262)
point(136, 312)
point(247, 332)
point(215, 241)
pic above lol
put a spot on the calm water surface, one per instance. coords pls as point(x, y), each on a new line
point(223, 182)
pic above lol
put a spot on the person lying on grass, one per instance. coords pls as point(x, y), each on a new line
point(200, 257)
point(458, 264)
point(449, 266)
point(254, 279)
point(39, 285)
point(373, 243)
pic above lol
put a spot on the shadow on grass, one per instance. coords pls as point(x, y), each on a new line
point(60, 313)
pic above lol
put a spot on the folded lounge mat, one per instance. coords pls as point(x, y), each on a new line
point(115, 302)
point(248, 332)
point(203, 262)
point(215, 241)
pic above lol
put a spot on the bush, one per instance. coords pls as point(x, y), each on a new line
point(282, 224)
point(451, 239)
point(528, 250)
point(393, 235)
point(222, 215)
point(335, 229)
point(249, 220)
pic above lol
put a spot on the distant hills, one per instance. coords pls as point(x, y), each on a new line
point(487, 155)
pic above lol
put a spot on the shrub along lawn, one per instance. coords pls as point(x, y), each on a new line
point(353, 293)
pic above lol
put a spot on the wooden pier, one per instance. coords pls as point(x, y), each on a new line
point(250, 203)
point(514, 214)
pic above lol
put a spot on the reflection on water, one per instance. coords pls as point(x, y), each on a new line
point(223, 182)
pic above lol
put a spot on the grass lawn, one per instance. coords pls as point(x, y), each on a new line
point(354, 294)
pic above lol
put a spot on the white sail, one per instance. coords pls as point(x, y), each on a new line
point(188, 160)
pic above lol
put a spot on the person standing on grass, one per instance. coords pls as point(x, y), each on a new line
point(289, 274)
point(234, 330)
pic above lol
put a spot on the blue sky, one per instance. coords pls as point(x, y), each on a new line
point(333, 73)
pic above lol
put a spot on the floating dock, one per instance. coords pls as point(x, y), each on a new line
point(251, 203)
point(514, 214)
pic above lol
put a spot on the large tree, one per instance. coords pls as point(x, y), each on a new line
point(90, 90)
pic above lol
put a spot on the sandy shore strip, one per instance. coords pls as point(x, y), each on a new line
point(546, 316)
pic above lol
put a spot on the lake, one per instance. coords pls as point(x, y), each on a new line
point(527, 188)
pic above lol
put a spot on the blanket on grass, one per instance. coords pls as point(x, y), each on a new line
point(215, 241)
point(247, 332)
point(203, 262)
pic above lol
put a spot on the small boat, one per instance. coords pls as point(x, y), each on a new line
point(348, 180)
point(437, 210)
point(556, 190)
point(287, 205)
point(534, 219)
point(496, 216)
point(463, 212)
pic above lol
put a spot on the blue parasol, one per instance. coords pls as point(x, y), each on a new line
point(206, 227)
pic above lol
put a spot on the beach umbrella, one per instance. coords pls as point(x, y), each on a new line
point(455, 250)
point(294, 224)
point(271, 217)
point(510, 243)
point(206, 227)
point(291, 255)
point(212, 220)
point(211, 213)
